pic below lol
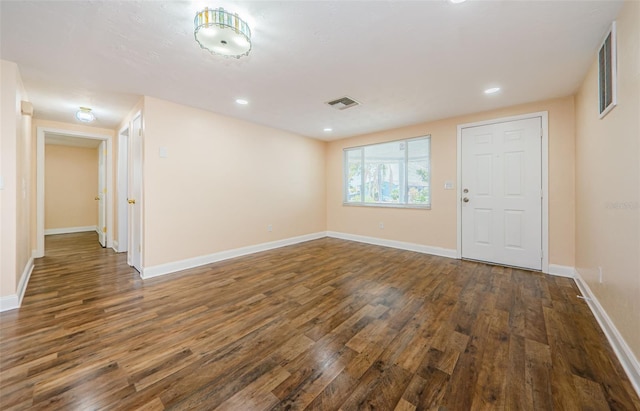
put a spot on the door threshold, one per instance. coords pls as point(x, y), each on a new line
point(502, 265)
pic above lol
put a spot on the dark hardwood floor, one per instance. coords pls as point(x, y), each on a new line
point(328, 324)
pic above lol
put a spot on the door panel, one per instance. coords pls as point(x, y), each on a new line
point(135, 195)
point(502, 206)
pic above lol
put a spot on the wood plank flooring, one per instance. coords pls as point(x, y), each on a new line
point(323, 325)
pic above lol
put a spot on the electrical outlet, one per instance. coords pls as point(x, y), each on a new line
point(600, 276)
point(381, 225)
point(269, 228)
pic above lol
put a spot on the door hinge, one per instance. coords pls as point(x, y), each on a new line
point(104, 229)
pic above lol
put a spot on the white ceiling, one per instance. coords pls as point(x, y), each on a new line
point(405, 61)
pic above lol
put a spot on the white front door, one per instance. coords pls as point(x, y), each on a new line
point(501, 193)
point(102, 194)
point(135, 195)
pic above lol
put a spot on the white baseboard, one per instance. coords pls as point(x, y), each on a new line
point(425, 249)
point(168, 268)
point(562, 271)
point(69, 230)
point(628, 360)
point(115, 246)
point(9, 302)
point(13, 301)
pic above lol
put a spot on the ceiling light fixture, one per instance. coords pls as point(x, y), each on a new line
point(457, 1)
point(328, 129)
point(85, 115)
point(222, 33)
point(242, 102)
point(492, 90)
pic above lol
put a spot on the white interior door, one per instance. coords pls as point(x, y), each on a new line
point(501, 209)
point(135, 195)
point(101, 197)
point(123, 191)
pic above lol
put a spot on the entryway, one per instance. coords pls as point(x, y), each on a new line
point(102, 145)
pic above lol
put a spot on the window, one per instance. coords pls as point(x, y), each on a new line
point(607, 73)
point(395, 174)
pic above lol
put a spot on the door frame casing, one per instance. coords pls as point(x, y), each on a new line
point(544, 117)
point(40, 142)
point(140, 196)
point(122, 181)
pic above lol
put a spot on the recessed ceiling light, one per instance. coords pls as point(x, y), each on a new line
point(328, 129)
point(457, 1)
point(492, 90)
point(242, 102)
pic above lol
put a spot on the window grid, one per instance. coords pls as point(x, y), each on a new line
point(376, 176)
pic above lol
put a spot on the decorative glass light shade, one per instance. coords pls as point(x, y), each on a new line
point(85, 115)
point(222, 33)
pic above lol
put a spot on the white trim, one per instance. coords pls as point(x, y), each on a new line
point(561, 271)
point(70, 230)
point(40, 141)
point(628, 360)
point(122, 188)
point(425, 249)
point(168, 268)
point(9, 302)
point(13, 301)
point(544, 117)
point(115, 246)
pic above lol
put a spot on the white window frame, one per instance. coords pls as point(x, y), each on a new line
point(362, 203)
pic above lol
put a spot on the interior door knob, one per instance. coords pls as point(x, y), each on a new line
point(131, 201)
point(466, 199)
point(96, 198)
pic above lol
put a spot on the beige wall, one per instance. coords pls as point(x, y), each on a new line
point(15, 146)
point(608, 185)
point(71, 184)
point(437, 227)
point(223, 182)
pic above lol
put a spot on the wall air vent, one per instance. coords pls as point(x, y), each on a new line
point(343, 103)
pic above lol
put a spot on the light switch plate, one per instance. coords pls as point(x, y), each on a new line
point(164, 153)
point(448, 185)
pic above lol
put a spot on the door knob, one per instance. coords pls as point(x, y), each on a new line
point(466, 190)
point(466, 199)
point(131, 201)
point(96, 198)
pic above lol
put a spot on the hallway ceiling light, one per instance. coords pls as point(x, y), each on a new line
point(85, 115)
point(222, 33)
point(492, 90)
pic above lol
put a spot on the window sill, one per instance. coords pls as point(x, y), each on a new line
point(407, 206)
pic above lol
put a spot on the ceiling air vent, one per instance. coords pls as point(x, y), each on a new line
point(343, 103)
